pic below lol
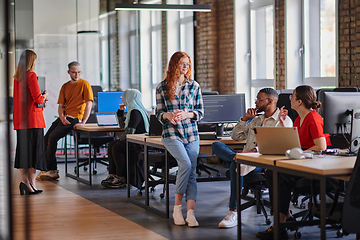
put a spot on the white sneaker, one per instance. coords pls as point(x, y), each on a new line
point(177, 216)
point(48, 175)
point(190, 219)
point(230, 220)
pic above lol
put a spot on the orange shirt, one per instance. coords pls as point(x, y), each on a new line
point(27, 95)
point(74, 96)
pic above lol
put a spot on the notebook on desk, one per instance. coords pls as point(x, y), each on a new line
point(276, 140)
point(107, 119)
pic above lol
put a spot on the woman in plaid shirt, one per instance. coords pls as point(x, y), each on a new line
point(179, 106)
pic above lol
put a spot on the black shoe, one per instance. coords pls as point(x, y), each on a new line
point(117, 183)
point(24, 190)
point(107, 181)
point(268, 234)
point(36, 190)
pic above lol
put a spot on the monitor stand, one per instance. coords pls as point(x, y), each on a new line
point(220, 130)
point(355, 131)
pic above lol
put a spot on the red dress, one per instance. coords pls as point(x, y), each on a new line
point(28, 90)
point(311, 128)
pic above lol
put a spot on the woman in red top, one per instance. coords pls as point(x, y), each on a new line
point(29, 123)
point(312, 138)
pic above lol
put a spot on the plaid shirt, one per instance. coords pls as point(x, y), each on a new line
point(189, 100)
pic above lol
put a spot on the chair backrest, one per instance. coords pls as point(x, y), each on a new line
point(351, 210)
point(347, 89)
point(284, 100)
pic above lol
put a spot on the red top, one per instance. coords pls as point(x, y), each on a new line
point(28, 90)
point(311, 128)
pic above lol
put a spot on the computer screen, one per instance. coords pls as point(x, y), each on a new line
point(341, 113)
point(109, 101)
point(225, 108)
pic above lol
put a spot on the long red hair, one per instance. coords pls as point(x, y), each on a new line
point(173, 73)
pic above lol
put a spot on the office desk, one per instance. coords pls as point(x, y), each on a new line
point(148, 141)
point(87, 128)
point(318, 168)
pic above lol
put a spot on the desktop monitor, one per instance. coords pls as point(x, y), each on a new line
point(109, 101)
point(341, 113)
point(225, 108)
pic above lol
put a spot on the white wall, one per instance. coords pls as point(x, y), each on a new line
point(55, 42)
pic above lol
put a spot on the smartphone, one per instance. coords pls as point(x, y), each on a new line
point(43, 104)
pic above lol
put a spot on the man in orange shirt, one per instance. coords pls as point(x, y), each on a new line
point(75, 102)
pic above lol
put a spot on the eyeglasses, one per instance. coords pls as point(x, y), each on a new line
point(290, 97)
point(79, 72)
point(259, 99)
point(185, 64)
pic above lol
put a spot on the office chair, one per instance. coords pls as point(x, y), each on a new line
point(97, 139)
point(205, 168)
point(255, 183)
point(156, 172)
point(284, 100)
point(351, 208)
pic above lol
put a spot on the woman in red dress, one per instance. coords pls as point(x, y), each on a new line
point(29, 123)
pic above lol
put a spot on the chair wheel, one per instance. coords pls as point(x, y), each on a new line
point(85, 168)
point(139, 193)
point(94, 172)
point(218, 174)
point(297, 235)
point(162, 195)
point(302, 206)
point(339, 233)
point(152, 189)
point(268, 221)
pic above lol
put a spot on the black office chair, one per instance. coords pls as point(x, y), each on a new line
point(156, 162)
point(255, 183)
point(284, 100)
point(351, 209)
point(97, 139)
point(205, 168)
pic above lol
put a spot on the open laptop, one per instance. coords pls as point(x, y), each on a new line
point(276, 140)
point(155, 128)
point(107, 119)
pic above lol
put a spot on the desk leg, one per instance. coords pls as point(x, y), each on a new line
point(77, 153)
point(323, 207)
point(65, 149)
point(238, 200)
point(89, 158)
point(276, 203)
point(167, 183)
point(146, 172)
point(127, 169)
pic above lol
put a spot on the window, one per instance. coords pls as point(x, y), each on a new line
point(319, 41)
point(261, 45)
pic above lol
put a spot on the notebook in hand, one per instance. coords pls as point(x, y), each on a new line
point(155, 128)
point(107, 119)
point(276, 140)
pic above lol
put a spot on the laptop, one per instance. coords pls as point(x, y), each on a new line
point(155, 128)
point(276, 140)
point(107, 119)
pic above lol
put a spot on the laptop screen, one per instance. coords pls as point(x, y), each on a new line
point(107, 119)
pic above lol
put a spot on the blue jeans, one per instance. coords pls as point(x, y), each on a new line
point(186, 156)
point(227, 154)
